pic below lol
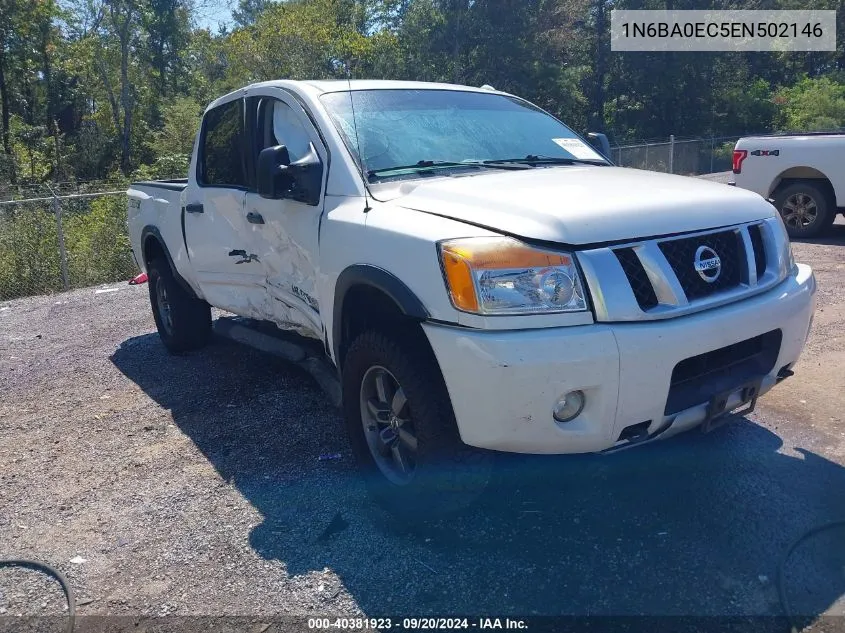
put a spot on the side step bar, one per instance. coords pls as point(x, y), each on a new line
point(299, 350)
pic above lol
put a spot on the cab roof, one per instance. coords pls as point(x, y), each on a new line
point(341, 85)
point(315, 88)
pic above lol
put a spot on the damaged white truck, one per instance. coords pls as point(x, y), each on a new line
point(478, 275)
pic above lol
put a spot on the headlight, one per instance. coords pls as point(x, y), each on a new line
point(786, 249)
point(503, 276)
point(788, 256)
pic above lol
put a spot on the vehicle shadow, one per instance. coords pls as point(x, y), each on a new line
point(834, 236)
point(696, 525)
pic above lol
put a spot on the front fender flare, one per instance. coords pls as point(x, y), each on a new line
point(373, 276)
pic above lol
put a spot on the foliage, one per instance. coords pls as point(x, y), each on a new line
point(89, 88)
point(97, 243)
point(93, 89)
point(812, 105)
point(95, 238)
point(29, 256)
point(248, 11)
point(181, 121)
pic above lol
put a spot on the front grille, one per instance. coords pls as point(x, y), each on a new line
point(755, 232)
point(637, 277)
point(697, 379)
point(680, 254)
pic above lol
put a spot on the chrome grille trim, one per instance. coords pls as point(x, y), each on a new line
point(614, 299)
point(667, 287)
point(749, 274)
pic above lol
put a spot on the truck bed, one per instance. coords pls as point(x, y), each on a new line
point(157, 206)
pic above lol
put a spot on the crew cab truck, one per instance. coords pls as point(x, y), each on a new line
point(801, 174)
point(480, 277)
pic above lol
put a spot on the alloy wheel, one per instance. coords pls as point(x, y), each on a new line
point(388, 427)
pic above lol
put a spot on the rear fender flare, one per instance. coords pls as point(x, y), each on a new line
point(152, 232)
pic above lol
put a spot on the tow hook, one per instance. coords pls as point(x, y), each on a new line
point(783, 374)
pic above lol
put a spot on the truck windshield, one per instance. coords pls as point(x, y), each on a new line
point(402, 133)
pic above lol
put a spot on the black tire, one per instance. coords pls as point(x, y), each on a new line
point(448, 475)
point(189, 324)
point(818, 209)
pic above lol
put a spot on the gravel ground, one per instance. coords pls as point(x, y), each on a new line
point(723, 177)
point(193, 485)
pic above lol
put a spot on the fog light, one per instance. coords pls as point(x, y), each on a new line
point(569, 406)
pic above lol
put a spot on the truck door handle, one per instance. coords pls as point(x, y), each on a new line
point(254, 218)
point(194, 207)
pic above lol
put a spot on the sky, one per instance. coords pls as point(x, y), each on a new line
point(209, 13)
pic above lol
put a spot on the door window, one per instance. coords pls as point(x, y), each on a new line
point(221, 157)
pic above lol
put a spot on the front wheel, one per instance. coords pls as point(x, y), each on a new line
point(806, 209)
point(403, 431)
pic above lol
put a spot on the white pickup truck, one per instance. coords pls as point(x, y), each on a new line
point(479, 276)
point(801, 174)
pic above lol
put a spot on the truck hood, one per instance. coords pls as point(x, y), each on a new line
point(584, 205)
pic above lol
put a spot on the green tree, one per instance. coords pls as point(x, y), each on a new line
point(248, 11)
point(166, 32)
point(811, 105)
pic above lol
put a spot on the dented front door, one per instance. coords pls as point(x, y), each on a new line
point(284, 233)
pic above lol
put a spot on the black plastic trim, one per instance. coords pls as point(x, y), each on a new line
point(153, 231)
point(696, 380)
point(380, 279)
point(637, 278)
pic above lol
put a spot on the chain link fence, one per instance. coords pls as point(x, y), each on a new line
point(55, 242)
point(685, 156)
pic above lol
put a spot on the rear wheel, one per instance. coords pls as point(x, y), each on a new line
point(403, 431)
point(806, 209)
point(183, 321)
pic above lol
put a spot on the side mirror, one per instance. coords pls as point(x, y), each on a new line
point(600, 142)
point(272, 172)
point(279, 178)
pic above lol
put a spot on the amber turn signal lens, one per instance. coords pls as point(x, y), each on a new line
point(459, 280)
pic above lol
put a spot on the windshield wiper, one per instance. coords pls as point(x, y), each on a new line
point(533, 159)
point(429, 165)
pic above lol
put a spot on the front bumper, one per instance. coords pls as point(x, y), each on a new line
point(503, 384)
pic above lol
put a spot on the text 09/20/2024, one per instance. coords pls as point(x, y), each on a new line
point(416, 624)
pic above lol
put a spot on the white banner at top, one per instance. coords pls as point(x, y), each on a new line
point(736, 30)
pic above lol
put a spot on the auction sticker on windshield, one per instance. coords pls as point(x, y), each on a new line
point(578, 148)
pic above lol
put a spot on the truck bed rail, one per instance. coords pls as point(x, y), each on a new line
point(176, 184)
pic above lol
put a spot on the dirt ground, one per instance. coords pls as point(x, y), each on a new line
point(194, 485)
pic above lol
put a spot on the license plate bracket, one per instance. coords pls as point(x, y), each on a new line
point(717, 408)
